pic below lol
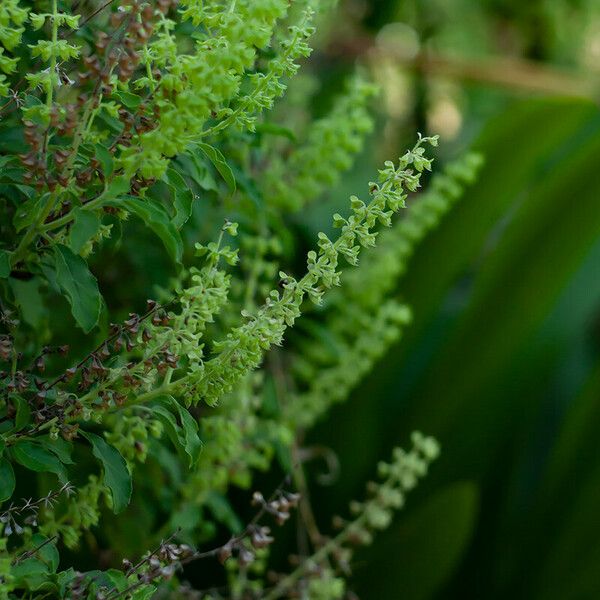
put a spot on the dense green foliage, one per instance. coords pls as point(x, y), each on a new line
point(161, 121)
point(193, 311)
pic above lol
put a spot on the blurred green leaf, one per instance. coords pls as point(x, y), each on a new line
point(419, 553)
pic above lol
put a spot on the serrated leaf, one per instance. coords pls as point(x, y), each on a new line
point(85, 225)
point(35, 457)
point(7, 480)
point(116, 474)
point(79, 286)
point(155, 217)
point(218, 160)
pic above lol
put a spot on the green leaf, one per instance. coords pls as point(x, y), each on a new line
point(31, 574)
point(218, 160)
point(23, 413)
point(118, 579)
point(4, 264)
point(28, 212)
point(127, 99)
point(183, 198)
point(417, 555)
point(223, 512)
point(156, 217)
point(7, 480)
point(117, 187)
point(61, 448)
point(48, 554)
point(274, 129)
point(144, 593)
point(249, 187)
point(4, 160)
point(79, 286)
point(183, 432)
point(29, 300)
point(85, 226)
point(106, 160)
point(35, 457)
point(198, 171)
point(116, 475)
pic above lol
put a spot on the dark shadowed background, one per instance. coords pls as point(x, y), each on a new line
point(501, 363)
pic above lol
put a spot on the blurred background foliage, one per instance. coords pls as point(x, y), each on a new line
point(501, 362)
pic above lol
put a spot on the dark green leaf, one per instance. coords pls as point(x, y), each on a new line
point(35, 457)
point(47, 553)
point(7, 480)
point(23, 413)
point(60, 447)
point(223, 512)
point(30, 574)
point(28, 212)
point(85, 225)
point(29, 300)
point(155, 217)
point(79, 286)
point(415, 557)
point(118, 187)
point(4, 264)
point(116, 474)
